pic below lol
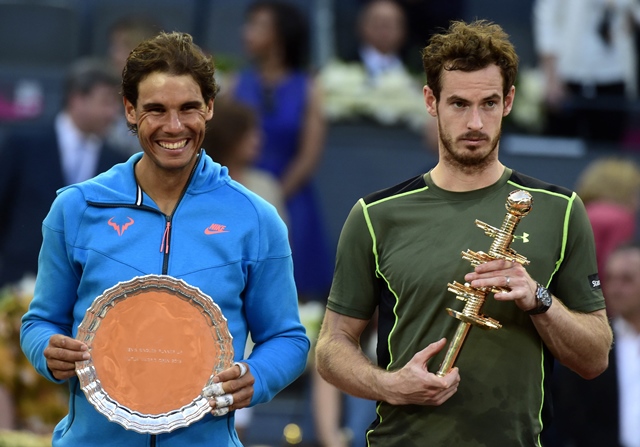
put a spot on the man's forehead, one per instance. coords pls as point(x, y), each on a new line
point(486, 83)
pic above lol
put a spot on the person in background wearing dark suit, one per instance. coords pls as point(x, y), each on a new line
point(605, 411)
point(34, 163)
point(382, 29)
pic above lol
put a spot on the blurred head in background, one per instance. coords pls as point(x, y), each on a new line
point(610, 190)
point(382, 25)
point(125, 34)
point(91, 96)
point(233, 135)
point(622, 289)
point(276, 30)
point(611, 179)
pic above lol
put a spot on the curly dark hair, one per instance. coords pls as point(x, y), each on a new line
point(173, 53)
point(469, 47)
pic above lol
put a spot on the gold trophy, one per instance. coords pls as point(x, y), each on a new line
point(518, 205)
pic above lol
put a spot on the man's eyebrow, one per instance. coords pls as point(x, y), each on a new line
point(157, 105)
point(152, 105)
point(494, 97)
point(456, 98)
point(196, 104)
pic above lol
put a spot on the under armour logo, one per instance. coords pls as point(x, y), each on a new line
point(215, 229)
point(524, 237)
point(117, 227)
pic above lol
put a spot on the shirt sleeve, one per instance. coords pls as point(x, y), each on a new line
point(51, 310)
point(281, 345)
point(355, 290)
point(576, 283)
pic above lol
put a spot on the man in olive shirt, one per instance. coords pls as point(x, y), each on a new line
point(400, 248)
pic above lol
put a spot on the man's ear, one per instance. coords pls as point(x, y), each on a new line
point(130, 111)
point(209, 114)
point(430, 101)
point(508, 101)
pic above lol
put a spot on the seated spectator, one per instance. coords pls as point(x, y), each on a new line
point(382, 31)
point(374, 83)
point(36, 162)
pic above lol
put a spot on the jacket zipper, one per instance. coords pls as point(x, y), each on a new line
point(166, 236)
point(164, 245)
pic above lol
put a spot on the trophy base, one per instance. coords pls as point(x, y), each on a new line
point(476, 320)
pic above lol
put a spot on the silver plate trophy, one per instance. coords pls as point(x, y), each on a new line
point(155, 343)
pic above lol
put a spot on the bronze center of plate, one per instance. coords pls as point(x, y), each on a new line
point(149, 353)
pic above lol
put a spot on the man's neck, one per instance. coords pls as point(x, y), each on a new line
point(454, 179)
point(165, 190)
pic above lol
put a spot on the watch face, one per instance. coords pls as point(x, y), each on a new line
point(544, 296)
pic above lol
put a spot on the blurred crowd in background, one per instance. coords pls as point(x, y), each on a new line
point(321, 102)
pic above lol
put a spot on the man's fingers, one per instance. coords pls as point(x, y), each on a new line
point(431, 350)
point(235, 372)
point(215, 389)
point(65, 355)
point(64, 342)
point(220, 411)
point(232, 389)
point(234, 401)
point(226, 400)
point(243, 368)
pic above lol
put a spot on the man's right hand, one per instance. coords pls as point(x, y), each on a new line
point(415, 385)
point(62, 353)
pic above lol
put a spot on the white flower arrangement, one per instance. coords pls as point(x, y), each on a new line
point(528, 109)
point(392, 98)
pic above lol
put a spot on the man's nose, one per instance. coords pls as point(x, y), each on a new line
point(475, 120)
point(173, 122)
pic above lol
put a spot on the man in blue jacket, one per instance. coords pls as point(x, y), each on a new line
point(168, 211)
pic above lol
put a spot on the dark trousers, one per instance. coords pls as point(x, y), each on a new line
point(596, 113)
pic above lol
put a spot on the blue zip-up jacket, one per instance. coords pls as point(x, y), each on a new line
point(221, 238)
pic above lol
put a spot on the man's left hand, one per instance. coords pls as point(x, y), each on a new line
point(232, 389)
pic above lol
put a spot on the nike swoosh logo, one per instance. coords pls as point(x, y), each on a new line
point(216, 229)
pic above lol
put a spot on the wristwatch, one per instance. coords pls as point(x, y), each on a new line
point(544, 300)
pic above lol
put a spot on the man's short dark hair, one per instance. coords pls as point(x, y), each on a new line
point(85, 74)
point(172, 53)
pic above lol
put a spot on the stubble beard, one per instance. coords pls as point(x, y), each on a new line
point(468, 161)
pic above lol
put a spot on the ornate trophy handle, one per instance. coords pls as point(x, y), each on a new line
point(518, 205)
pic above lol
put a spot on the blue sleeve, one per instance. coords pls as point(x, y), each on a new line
point(281, 345)
point(51, 310)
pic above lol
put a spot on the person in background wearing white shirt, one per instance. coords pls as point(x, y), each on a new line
point(623, 288)
point(605, 411)
point(35, 162)
point(587, 53)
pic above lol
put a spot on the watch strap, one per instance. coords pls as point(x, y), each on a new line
point(543, 298)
